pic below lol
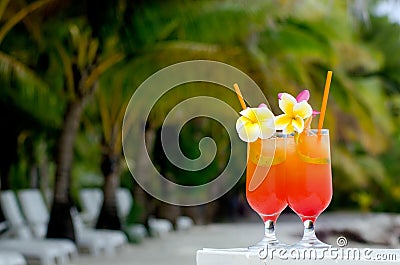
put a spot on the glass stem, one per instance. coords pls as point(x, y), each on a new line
point(309, 231)
point(270, 230)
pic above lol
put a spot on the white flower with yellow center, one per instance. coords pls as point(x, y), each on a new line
point(255, 123)
point(294, 114)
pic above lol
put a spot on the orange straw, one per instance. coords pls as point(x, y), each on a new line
point(239, 95)
point(324, 101)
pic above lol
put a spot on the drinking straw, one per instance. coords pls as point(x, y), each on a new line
point(324, 101)
point(239, 95)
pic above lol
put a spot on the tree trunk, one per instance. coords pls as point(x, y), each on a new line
point(9, 145)
point(146, 202)
point(34, 176)
point(108, 217)
point(60, 222)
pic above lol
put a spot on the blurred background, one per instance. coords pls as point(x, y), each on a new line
point(68, 69)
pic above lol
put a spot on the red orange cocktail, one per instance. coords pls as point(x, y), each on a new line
point(265, 183)
point(309, 180)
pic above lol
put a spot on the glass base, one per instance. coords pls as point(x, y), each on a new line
point(269, 240)
point(311, 243)
point(267, 243)
point(309, 239)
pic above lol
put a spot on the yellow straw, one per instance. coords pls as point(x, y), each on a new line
point(239, 95)
point(324, 101)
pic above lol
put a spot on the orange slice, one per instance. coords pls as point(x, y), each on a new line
point(266, 161)
point(312, 160)
point(299, 142)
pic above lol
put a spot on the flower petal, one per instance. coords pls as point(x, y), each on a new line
point(267, 129)
point(302, 109)
point(298, 124)
point(250, 132)
point(242, 121)
point(286, 103)
point(303, 96)
point(262, 105)
point(315, 112)
point(263, 114)
point(288, 129)
point(250, 114)
point(281, 121)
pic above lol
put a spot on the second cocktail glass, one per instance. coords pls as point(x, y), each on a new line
point(309, 180)
point(265, 184)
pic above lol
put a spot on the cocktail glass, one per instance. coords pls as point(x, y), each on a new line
point(265, 184)
point(309, 180)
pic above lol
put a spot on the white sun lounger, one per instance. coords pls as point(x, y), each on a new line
point(95, 241)
point(91, 200)
point(158, 226)
point(124, 202)
point(124, 206)
point(38, 252)
point(19, 229)
point(11, 258)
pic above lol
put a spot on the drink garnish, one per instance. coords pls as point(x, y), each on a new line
point(255, 123)
point(266, 161)
point(312, 160)
point(299, 139)
point(239, 95)
point(295, 112)
point(324, 101)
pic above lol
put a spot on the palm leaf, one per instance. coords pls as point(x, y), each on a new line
point(20, 16)
point(69, 76)
point(28, 90)
point(3, 6)
point(104, 65)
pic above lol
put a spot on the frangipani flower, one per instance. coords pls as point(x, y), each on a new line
point(255, 123)
point(295, 111)
point(303, 95)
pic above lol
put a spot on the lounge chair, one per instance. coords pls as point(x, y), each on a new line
point(124, 202)
point(17, 251)
point(158, 226)
point(18, 229)
point(91, 200)
point(184, 223)
point(37, 252)
point(94, 241)
point(124, 206)
point(40, 252)
point(11, 258)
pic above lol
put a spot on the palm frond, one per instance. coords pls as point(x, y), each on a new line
point(20, 16)
point(101, 68)
point(28, 90)
point(69, 76)
point(13, 70)
point(3, 6)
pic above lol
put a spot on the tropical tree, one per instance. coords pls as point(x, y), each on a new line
point(281, 45)
point(289, 47)
point(381, 34)
point(82, 64)
point(112, 99)
point(82, 74)
point(24, 91)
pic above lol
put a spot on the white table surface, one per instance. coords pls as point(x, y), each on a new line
point(356, 256)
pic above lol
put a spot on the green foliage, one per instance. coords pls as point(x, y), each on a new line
point(282, 45)
point(189, 138)
point(28, 91)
